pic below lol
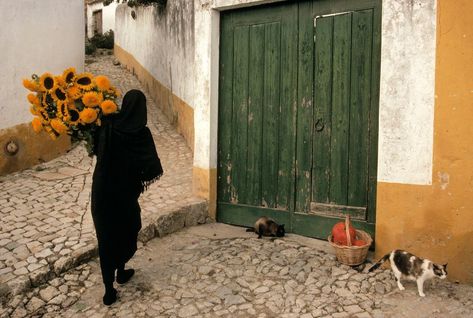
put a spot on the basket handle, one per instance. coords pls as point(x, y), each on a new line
point(347, 229)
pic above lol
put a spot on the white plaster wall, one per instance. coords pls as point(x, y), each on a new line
point(36, 36)
point(108, 17)
point(108, 20)
point(407, 92)
point(207, 26)
point(162, 41)
point(90, 20)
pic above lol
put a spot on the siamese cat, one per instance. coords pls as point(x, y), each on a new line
point(265, 226)
point(411, 267)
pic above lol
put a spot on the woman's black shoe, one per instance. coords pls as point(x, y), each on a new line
point(110, 296)
point(125, 275)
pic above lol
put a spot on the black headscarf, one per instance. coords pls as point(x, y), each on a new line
point(135, 141)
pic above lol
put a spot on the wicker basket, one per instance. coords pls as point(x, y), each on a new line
point(352, 255)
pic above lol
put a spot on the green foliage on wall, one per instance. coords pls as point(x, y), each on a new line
point(134, 3)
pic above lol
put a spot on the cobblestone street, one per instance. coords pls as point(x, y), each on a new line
point(217, 270)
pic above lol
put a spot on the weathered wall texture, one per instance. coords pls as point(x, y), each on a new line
point(407, 91)
point(232, 4)
point(158, 45)
point(33, 148)
point(36, 36)
point(108, 17)
point(436, 221)
point(162, 41)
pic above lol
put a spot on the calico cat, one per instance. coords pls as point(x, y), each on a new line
point(265, 226)
point(406, 265)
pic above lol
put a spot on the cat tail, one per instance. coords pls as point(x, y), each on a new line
point(250, 229)
point(379, 263)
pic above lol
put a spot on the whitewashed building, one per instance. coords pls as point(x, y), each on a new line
point(100, 18)
point(36, 37)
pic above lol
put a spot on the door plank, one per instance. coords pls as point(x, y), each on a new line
point(374, 113)
point(270, 155)
point(359, 108)
point(246, 215)
point(340, 108)
point(240, 114)
point(255, 114)
point(322, 109)
point(304, 109)
point(225, 109)
point(287, 124)
point(320, 226)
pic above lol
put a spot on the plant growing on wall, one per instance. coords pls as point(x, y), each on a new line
point(134, 3)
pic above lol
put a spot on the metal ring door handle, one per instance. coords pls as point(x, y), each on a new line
point(319, 125)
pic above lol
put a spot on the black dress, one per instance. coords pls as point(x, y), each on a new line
point(127, 162)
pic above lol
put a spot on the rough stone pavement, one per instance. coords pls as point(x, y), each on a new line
point(45, 222)
point(217, 270)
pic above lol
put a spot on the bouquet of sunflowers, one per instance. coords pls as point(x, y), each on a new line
point(70, 104)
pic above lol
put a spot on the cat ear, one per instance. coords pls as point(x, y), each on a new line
point(445, 265)
point(282, 225)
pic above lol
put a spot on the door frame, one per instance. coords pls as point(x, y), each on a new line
point(206, 99)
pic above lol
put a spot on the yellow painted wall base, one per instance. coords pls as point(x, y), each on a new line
point(179, 112)
point(33, 148)
point(436, 221)
point(204, 183)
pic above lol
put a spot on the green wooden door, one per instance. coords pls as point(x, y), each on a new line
point(257, 107)
point(298, 111)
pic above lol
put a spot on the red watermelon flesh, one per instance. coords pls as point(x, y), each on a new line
point(339, 234)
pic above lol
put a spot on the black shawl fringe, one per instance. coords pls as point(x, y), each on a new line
point(146, 184)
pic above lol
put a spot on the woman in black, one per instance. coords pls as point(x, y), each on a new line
point(127, 163)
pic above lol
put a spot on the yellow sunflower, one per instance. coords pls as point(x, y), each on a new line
point(43, 115)
point(60, 81)
point(92, 99)
point(102, 82)
point(51, 132)
point(88, 116)
point(85, 81)
point(74, 116)
point(34, 111)
point(33, 99)
point(47, 100)
point(47, 82)
point(58, 94)
point(37, 125)
point(58, 126)
point(63, 111)
point(31, 85)
point(69, 75)
point(74, 92)
point(108, 107)
point(115, 91)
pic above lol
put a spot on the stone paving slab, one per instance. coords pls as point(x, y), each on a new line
point(217, 270)
point(45, 222)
